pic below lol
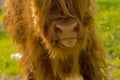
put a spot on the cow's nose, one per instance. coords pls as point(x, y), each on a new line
point(67, 34)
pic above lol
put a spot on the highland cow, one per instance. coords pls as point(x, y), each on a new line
point(58, 39)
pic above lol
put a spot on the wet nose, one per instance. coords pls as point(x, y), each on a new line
point(68, 31)
point(67, 34)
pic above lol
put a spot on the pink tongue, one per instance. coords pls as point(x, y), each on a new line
point(68, 42)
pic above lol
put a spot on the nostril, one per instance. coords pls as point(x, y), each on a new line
point(58, 31)
point(76, 29)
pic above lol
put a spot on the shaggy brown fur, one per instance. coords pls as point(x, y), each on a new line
point(30, 23)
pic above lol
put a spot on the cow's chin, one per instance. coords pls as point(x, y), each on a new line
point(66, 48)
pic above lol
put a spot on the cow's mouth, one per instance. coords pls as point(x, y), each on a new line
point(68, 42)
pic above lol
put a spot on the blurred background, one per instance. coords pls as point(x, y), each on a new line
point(108, 27)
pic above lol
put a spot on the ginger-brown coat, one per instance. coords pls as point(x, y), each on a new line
point(26, 20)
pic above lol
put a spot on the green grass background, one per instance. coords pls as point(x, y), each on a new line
point(108, 26)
